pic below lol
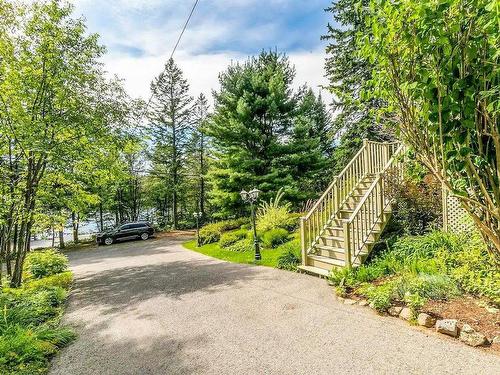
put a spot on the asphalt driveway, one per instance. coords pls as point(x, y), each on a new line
point(155, 308)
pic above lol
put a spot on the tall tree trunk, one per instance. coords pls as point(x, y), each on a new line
point(75, 222)
point(61, 239)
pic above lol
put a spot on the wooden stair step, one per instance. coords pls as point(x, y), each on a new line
point(333, 238)
point(314, 271)
point(330, 261)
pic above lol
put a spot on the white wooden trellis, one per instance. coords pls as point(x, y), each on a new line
point(455, 218)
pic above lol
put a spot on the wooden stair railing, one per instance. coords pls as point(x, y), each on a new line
point(369, 160)
point(371, 209)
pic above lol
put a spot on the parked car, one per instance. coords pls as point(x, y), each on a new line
point(128, 231)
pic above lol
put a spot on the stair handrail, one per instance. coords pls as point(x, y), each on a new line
point(371, 157)
point(334, 182)
point(360, 224)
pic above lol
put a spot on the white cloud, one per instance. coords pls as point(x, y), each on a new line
point(140, 35)
point(202, 70)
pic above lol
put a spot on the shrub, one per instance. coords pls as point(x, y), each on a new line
point(242, 245)
point(417, 207)
point(275, 237)
point(435, 287)
point(31, 306)
point(40, 264)
point(273, 214)
point(380, 296)
point(290, 256)
point(211, 232)
point(26, 350)
point(229, 238)
point(62, 280)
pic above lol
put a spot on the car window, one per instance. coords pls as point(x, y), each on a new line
point(126, 226)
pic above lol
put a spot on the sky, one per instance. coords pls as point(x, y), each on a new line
point(140, 35)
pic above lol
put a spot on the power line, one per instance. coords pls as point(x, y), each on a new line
point(184, 28)
point(175, 48)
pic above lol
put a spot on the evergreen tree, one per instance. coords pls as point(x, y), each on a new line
point(198, 152)
point(170, 118)
point(347, 73)
point(310, 147)
point(265, 135)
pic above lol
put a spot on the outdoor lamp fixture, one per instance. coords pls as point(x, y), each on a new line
point(251, 197)
point(197, 216)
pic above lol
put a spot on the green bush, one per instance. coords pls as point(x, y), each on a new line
point(229, 238)
point(436, 266)
point(25, 351)
point(40, 264)
point(380, 296)
point(290, 256)
point(31, 306)
point(62, 280)
point(242, 245)
point(211, 232)
point(275, 237)
point(30, 315)
point(273, 214)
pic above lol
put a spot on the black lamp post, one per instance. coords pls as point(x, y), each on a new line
point(251, 197)
point(197, 216)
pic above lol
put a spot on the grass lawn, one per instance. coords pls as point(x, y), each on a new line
point(269, 256)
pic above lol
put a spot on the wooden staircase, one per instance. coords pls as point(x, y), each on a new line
point(347, 220)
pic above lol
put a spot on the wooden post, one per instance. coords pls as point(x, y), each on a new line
point(381, 196)
point(347, 244)
point(366, 161)
point(303, 240)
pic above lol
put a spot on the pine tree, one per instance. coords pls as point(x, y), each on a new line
point(310, 147)
point(170, 117)
point(198, 151)
point(253, 110)
point(347, 73)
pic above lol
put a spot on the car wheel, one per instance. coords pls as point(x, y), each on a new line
point(144, 236)
point(108, 241)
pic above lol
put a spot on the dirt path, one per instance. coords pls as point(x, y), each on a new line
point(155, 308)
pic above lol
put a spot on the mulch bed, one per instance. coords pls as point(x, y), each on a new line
point(468, 310)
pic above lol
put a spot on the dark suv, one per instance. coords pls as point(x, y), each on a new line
point(127, 231)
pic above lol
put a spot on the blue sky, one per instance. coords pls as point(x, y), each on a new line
point(140, 35)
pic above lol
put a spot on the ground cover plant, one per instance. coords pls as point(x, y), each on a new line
point(30, 332)
point(436, 266)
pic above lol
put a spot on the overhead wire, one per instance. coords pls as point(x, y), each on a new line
point(173, 51)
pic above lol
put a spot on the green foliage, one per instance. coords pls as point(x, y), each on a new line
point(347, 74)
point(380, 297)
point(275, 237)
point(290, 256)
point(258, 130)
point(435, 266)
point(273, 214)
point(29, 322)
point(418, 204)
point(169, 112)
point(229, 238)
point(243, 245)
point(62, 280)
point(40, 264)
point(435, 64)
point(212, 232)
point(25, 351)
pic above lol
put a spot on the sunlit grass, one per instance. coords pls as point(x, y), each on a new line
point(269, 256)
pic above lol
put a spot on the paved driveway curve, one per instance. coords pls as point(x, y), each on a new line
point(155, 308)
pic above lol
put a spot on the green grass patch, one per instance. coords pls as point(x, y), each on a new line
point(269, 256)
